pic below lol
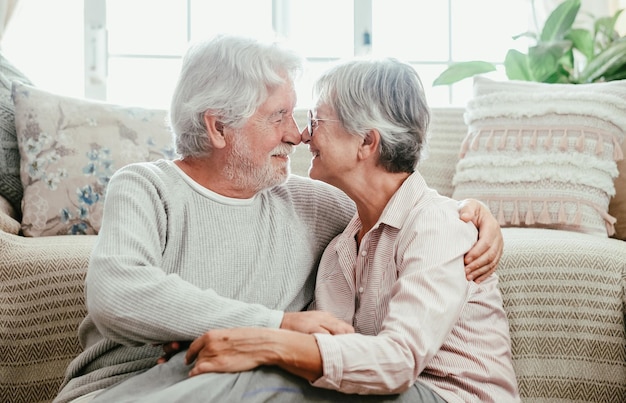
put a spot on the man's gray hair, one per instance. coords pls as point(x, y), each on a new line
point(229, 77)
point(382, 94)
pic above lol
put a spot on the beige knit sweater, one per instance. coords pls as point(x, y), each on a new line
point(173, 260)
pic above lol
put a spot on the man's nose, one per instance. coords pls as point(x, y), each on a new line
point(292, 132)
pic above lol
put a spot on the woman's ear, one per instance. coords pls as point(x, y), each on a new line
point(369, 144)
point(215, 130)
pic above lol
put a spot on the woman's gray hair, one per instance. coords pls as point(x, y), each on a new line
point(230, 77)
point(382, 94)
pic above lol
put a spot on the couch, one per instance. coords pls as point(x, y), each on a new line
point(564, 293)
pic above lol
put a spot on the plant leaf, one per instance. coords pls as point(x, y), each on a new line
point(527, 34)
point(618, 75)
point(605, 26)
point(582, 40)
point(546, 59)
point(564, 70)
point(516, 66)
point(560, 21)
point(462, 70)
point(612, 59)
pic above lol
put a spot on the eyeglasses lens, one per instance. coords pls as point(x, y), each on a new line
point(309, 123)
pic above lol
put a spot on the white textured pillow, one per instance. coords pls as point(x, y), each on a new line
point(69, 148)
point(544, 155)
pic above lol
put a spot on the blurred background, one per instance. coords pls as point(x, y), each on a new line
point(129, 51)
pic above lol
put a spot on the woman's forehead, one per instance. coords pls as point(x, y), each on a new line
point(323, 109)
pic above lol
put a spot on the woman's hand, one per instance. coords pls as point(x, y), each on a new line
point(303, 322)
point(315, 322)
point(243, 349)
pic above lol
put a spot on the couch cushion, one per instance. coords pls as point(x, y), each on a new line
point(543, 155)
point(563, 292)
point(10, 184)
point(41, 306)
point(69, 149)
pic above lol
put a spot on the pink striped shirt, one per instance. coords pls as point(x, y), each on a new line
point(405, 285)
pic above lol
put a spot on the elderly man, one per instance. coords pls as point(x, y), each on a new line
point(223, 237)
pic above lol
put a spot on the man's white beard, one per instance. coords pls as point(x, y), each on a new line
point(243, 172)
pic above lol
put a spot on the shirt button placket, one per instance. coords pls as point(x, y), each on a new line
point(362, 269)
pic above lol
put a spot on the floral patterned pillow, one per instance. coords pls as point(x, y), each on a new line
point(69, 148)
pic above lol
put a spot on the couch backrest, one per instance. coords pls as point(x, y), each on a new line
point(10, 183)
point(447, 131)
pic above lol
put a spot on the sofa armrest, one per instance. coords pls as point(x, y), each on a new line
point(8, 218)
point(41, 306)
point(564, 296)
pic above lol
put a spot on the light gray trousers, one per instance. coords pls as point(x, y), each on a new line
point(169, 382)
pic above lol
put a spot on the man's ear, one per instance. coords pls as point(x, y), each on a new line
point(215, 130)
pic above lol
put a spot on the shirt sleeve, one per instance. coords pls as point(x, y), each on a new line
point(425, 302)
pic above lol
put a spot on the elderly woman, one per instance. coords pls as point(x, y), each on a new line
point(396, 272)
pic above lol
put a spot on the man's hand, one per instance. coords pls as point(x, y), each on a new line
point(481, 261)
point(315, 322)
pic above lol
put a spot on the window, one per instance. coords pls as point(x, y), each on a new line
point(44, 39)
point(129, 52)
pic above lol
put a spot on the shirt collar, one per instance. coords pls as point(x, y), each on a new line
point(409, 194)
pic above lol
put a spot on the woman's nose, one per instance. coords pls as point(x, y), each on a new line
point(305, 135)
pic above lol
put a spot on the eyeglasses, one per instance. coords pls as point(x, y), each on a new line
point(311, 122)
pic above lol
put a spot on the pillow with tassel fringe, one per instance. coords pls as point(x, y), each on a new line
point(544, 155)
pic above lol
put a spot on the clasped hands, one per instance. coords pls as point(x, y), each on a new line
point(242, 349)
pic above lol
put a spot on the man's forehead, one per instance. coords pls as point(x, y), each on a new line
point(283, 97)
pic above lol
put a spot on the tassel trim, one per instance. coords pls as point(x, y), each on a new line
point(545, 217)
point(547, 144)
point(578, 136)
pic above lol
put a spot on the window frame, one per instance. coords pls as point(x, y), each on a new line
point(97, 55)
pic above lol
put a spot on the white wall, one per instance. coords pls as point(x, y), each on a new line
point(621, 23)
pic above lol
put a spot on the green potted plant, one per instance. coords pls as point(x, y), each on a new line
point(562, 53)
